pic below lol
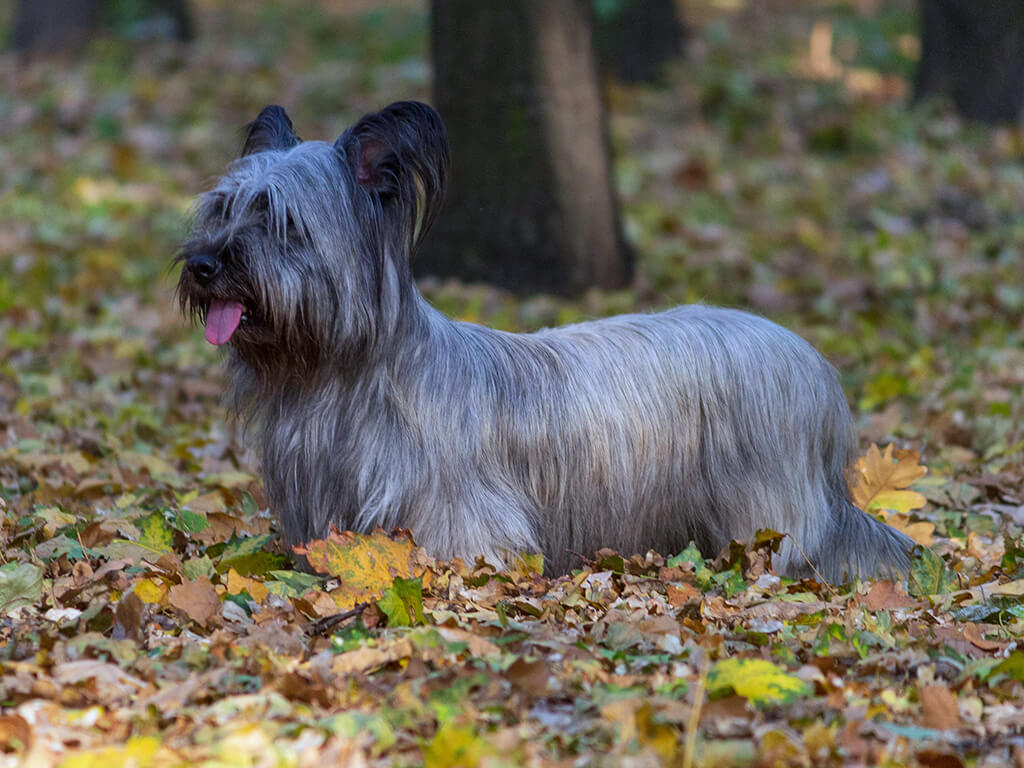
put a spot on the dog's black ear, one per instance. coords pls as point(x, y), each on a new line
point(272, 129)
point(401, 153)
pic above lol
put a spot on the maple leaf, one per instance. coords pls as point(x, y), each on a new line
point(880, 480)
point(366, 564)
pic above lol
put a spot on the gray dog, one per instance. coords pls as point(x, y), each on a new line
point(372, 409)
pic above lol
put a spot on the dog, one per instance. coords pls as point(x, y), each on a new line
point(371, 408)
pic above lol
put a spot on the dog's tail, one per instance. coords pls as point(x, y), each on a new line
point(862, 547)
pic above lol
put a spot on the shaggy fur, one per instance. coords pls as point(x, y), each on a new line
point(372, 409)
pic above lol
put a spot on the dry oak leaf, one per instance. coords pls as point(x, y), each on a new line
point(880, 480)
point(197, 599)
point(365, 564)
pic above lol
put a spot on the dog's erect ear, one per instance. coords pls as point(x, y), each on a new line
point(272, 129)
point(401, 153)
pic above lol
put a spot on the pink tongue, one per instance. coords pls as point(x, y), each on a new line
point(221, 320)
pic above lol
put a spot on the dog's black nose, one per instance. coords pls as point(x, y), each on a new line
point(203, 266)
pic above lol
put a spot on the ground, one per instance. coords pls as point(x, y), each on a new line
point(149, 614)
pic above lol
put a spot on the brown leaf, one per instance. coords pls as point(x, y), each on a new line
point(128, 617)
point(197, 599)
point(939, 758)
point(478, 646)
point(883, 595)
point(531, 677)
point(364, 659)
point(972, 632)
point(15, 734)
point(939, 708)
point(681, 594)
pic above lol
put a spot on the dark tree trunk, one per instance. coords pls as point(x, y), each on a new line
point(531, 205)
point(54, 26)
point(636, 38)
point(63, 26)
point(973, 52)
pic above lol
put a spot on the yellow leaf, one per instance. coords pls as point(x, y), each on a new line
point(922, 533)
point(880, 479)
point(456, 746)
point(139, 752)
point(898, 501)
point(238, 584)
point(150, 591)
point(366, 565)
point(757, 680)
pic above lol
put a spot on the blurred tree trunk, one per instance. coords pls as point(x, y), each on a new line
point(54, 25)
point(636, 38)
point(531, 205)
point(64, 26)
point(973, 51)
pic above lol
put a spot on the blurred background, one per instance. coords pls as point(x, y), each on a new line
point(851, 169)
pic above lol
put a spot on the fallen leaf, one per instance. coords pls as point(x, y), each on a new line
point(881, 479)
point(363, 659)
point(939, 708)
point(196, 599)
point(365, 564)
point(760, 682)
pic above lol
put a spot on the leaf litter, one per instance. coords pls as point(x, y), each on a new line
point(149, 614)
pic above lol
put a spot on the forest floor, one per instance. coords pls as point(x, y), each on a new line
point(149, 613)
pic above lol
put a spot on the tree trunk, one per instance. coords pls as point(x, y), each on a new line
point(531, 205)
point(636, 38)
point(64, 26)
point(54, 26)
point(973, 51)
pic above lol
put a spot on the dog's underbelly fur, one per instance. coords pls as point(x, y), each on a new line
point(634, 432)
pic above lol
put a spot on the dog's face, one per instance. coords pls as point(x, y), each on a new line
point(302, 250)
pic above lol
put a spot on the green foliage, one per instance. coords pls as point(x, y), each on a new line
point(402, 603)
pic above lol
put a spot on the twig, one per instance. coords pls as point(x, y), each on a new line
point(327, 623)
point(821, 579)
point(693, 725)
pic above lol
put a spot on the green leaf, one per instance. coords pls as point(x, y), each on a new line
point(1012, 666)
point(196, 567)
point(689, 555)
point(354, 725)
point(928, 575)
point(187, 521)
point(291, 583)
point(155, 534)
point(238, 547)
point(760, 682)
point(402, 602)
point(20, 584)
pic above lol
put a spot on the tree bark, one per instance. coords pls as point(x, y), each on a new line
point(637, 38)
point(54, 26)
point(64, 26)
point(531, 205)
point(973, 52)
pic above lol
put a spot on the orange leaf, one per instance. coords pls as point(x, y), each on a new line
point(880, 479)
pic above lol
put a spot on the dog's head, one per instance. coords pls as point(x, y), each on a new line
point(302, 251)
